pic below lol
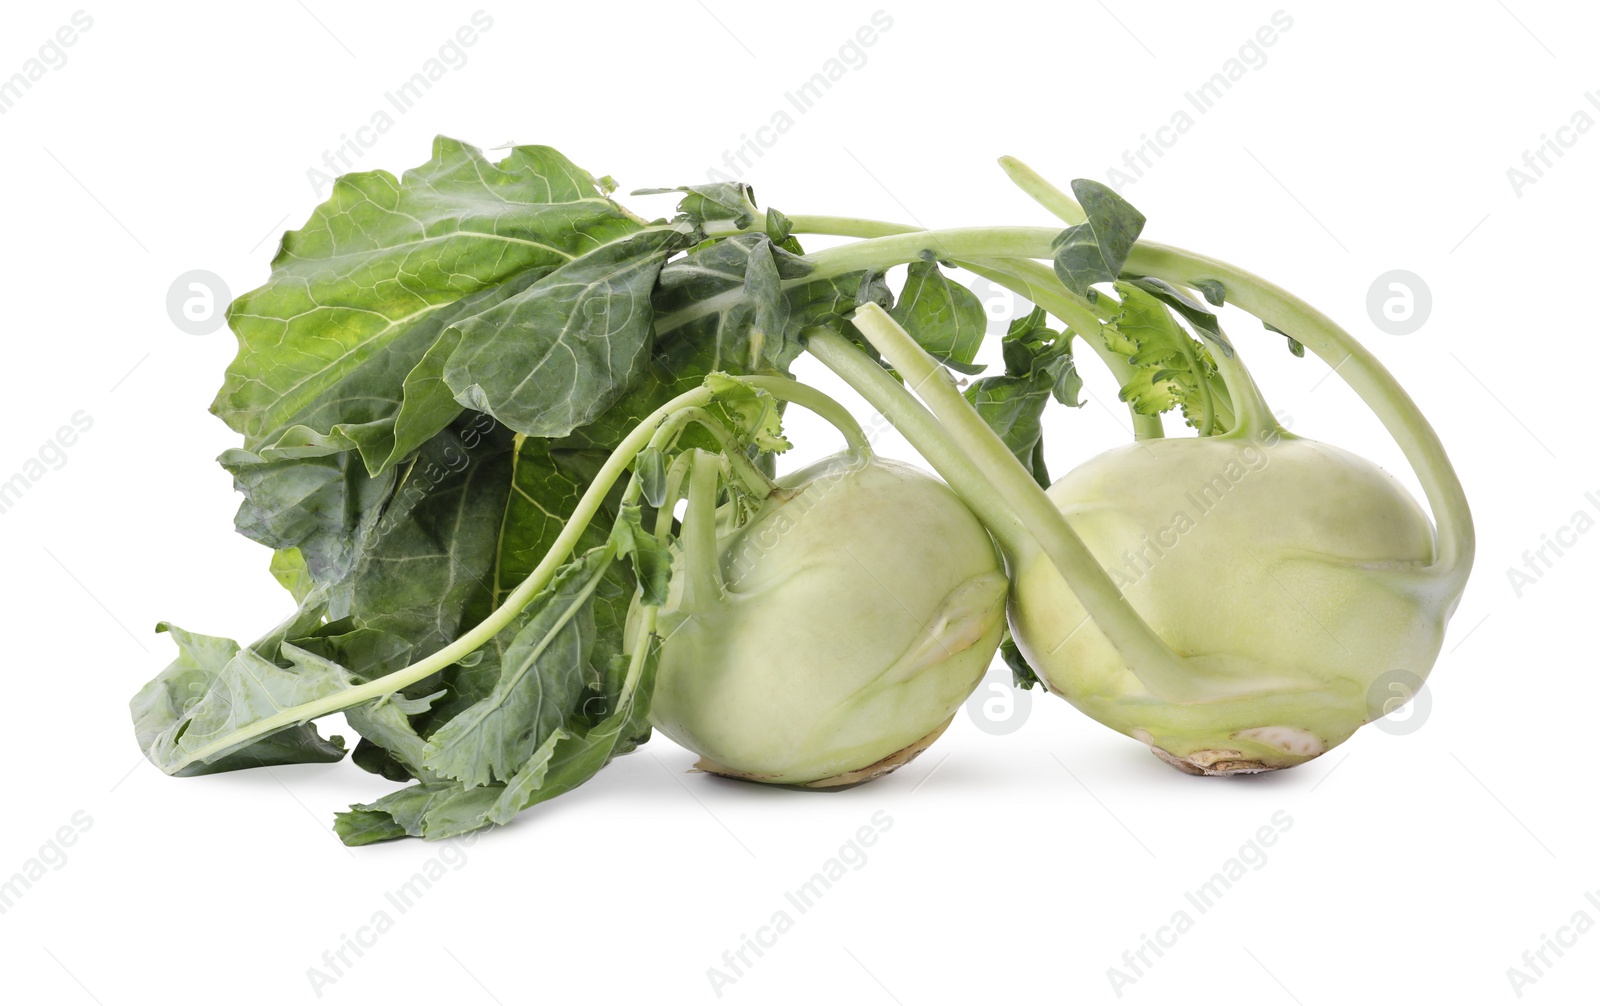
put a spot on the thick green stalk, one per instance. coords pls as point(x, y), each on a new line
point(810, 398)
point(702, 565)
point(1252, 418)
point(743, 469)
point(1043, 192)
point(1359, 369)
point(1146, 654)
point(1033, 280)
point(909, 416)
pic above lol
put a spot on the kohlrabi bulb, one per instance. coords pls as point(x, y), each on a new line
point(1285, 573)
point(848, 620)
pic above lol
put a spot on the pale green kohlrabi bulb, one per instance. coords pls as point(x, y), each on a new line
point(1284, 572)
point(857, 610)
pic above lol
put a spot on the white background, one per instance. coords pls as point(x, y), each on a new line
point(1018, 868)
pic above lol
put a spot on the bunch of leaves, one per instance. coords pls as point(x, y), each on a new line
point(426, 384)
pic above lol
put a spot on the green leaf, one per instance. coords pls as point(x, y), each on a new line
point(1013, 407)
point(542, 672)
point(1212, 290)
point(356, 296)
point(1201, 318)
point(945, 318)
point(1095, 250)
point(288, 567)
point(1294, 344)
point(1039, 366)
point(1172, 370)
point(425, 565)
point(564, 762)
point(650, 559)
point(733, 201)
point(321, 506)
point(215, 686)
point(555, 356)
point(1022, 675)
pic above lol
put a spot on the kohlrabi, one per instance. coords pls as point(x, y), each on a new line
point(831, 635)
point(471, 398)
point(1240, 601)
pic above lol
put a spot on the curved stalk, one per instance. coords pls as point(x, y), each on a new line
point(744, 470)
point(1144, 652)
point(810, 398)
point(914, 422)
point(1359, 369)
point(672, 490)
point(1251, 417)
point(1033, 280)
point(1042, 191)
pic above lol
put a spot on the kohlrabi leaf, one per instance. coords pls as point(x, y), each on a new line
point(1201, 318)
point(390, 745)
point(1013, 407)
point(649, 558)
point(1294, 344)
point(555, 356)
point(216, 687)
point(354, 299)
point(1094, 251)
point(545, 485)
point(750, 269)
point(1022, 675)
point(567, 759)
point(730, 201)
point(1171, 369)
point(288, 567)
point(320, 506)
point(1039, 366)
point(945, 318)
point(427, 560)
point(1213, 291)
point(543, 670)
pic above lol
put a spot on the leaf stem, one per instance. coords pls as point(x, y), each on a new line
point(702, 565)
point(919, 426)
point(1033, 280)
point(1147, 656)
point(1043, 192)
point(1359, 369)
point(816, 401)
